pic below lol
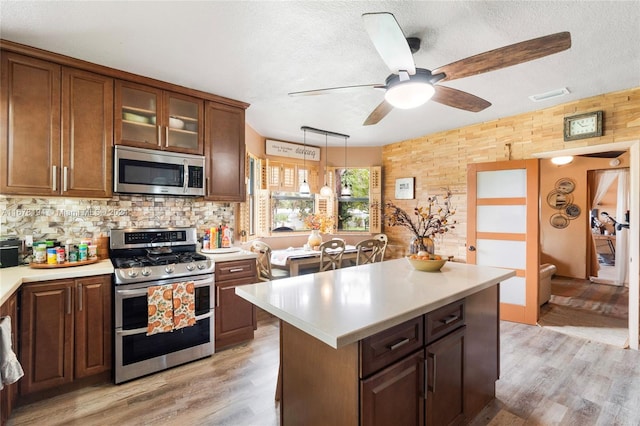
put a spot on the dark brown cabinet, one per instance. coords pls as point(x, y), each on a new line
point(148, 117)
point(9, 395)
point(235, 317)
point(225, 153)
point(65, 331)
point(59, 120)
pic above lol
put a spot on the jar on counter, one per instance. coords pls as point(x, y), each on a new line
point(40, 253)
point(83, 252)
point(52, 256)
point(60, 255)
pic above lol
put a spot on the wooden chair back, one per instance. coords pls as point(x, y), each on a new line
point(383, 238)
point(369, 251)
point(263, 261)
point(331, 254)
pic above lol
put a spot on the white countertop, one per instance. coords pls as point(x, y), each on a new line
point(12, 278)
point(346, 305)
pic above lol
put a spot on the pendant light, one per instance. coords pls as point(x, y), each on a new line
point(304, 186)
point(326, 190)
point(346, 189)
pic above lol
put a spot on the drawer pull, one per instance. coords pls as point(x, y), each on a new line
point(450, 319)
point(232, 270)
point(400, 343)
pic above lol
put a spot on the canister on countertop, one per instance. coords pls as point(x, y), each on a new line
point(60, 255)
point(52, 256)
point(83, 252)
point(92, 251)
point(73, 255)
point(40, 253)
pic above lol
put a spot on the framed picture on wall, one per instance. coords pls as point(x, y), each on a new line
point(404, 189)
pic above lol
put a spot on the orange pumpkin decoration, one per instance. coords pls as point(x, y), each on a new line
point(167, 294)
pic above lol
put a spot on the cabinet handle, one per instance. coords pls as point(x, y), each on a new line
point(400, 343)
point(80, 297)
point(451, 318)
point(166, 136)
point(68, 290)
point(432, 386)
point(217, 296)
point(206, 180)
point(423, 385)
point(159, 136)
point(232, 270)
point(54, 178)
point(65, 171)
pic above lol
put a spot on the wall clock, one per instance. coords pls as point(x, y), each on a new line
point(583, 126)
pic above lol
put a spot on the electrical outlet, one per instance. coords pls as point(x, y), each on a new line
point(28, 240)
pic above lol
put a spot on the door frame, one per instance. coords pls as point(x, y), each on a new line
point(633, 147)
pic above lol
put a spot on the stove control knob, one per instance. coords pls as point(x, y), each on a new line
point(170, 269)
point(202, 265)
point(132, 273)
point(146, 271)
point(191, 266)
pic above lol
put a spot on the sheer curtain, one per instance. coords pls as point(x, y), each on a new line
point(603, 180)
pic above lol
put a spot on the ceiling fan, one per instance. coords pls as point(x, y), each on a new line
point(409, 87)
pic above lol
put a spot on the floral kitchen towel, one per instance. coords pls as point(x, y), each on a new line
point(184, 305)
point(160, 306)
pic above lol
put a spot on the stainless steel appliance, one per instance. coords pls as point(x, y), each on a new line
point(149, 257)
point(148, 171)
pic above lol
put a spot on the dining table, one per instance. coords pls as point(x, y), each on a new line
point(293, 258)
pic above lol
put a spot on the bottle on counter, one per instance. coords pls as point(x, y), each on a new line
point(52, 256)
point(83, 252)
point(226, 237)
point(214, 238)
point(40, 253)
point(60, 255)
point(206, 241)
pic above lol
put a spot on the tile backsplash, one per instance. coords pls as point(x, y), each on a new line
point(75, 218)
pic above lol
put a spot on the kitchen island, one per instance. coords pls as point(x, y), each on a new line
point(385, 344)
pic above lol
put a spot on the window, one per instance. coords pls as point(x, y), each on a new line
point(251, 195)
point(353, 210)
point(287, 209)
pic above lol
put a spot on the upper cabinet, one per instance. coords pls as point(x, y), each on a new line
point(225, 153)
point(56, 129)
point(147, 117)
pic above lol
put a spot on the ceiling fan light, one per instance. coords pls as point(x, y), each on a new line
point(410, 94)
point(345, 191)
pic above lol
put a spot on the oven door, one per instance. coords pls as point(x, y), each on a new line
point(137, 354)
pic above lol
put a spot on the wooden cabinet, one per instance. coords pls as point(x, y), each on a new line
point(235, 318)
point(436, 369)
point(152, 118)
point(225, 153)
point(65, 331)
point(59, 121)
point(9, 394)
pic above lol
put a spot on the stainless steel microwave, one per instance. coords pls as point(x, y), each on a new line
point(148, 171)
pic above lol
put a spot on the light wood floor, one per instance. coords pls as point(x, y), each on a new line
point(546, 378)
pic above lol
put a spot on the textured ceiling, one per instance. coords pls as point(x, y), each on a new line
point(257, 52)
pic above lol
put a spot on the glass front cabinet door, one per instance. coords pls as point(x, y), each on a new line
point(147, 117)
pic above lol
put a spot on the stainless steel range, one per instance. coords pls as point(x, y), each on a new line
point(144, 258)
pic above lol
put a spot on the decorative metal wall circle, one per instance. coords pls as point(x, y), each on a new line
point(559, 221)
point(572, 211)
point(565, 185)
point(559, 200)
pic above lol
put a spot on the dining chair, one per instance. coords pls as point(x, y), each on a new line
point(263, 261)
point(368, 251)
point(385, 240)
point(331, 254)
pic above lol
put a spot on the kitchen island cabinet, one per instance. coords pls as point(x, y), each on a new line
point(425, 325)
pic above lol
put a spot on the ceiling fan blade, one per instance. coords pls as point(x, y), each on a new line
point(506, 56)
point(378, 114)
point(389, 41)
point(343, 89)
point(459, 99)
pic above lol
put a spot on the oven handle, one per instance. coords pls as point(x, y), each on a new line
point(143, 290)
point(144, 329)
